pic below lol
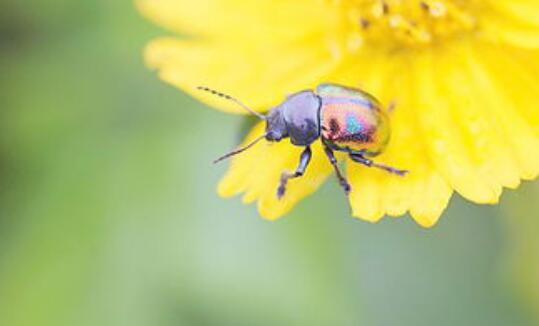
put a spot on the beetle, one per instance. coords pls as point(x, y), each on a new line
point(346, 119)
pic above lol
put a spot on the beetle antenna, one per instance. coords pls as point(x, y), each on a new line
point(230, 98)
point(239, 150)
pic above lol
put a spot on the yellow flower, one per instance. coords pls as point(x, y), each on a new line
point(464, 75)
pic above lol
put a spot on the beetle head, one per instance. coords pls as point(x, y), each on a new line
point(275, 125)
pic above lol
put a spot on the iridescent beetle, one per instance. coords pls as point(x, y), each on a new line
point(346, 119)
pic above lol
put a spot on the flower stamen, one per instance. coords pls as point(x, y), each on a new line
point(409, 23)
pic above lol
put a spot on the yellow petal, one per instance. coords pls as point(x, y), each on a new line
point(257, 171)
point(526, 11)
point(238, 20)
point(512, 22)
point(516, 73)
point(423, 191)
point(258, 77)
point(488, 149)
point(448, 124)
point(522, 141)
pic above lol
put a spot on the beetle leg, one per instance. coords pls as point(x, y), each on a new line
point(342, 180)
point(304, 160)
point(360, 159)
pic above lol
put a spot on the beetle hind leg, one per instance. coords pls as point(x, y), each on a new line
point(304, 160)
point(360, 159)
point(342, 180)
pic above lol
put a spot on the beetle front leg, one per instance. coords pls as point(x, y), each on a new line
point(342, 180)
point(360, 159)
point(304, 160)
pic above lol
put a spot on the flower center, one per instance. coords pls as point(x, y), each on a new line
point(411, 23)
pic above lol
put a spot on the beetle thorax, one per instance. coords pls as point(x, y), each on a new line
point(298, 117)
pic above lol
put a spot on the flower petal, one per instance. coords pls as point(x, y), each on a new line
point(451, 127)
point(525, 11)
point(489, 151)
point(423, 191)
point(522, 141)
point(512, 22)
point(260, 78)
point(476, 137)
point(256, 173)
point(238, 20)
point(516, 73)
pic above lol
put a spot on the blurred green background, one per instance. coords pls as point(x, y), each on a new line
point(108, 211)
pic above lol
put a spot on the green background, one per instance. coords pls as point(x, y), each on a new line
point(108, 211)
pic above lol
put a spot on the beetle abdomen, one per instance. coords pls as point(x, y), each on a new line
point(352, 121)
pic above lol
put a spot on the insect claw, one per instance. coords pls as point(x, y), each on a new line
point(401, 173)
point(280, 192)
point(346, 187)
point(389, 169)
